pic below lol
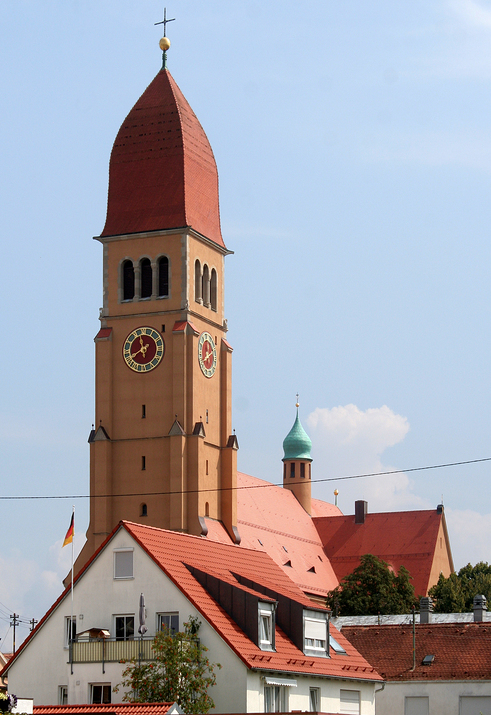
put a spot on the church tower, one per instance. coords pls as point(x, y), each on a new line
point(162, 450)
point(297, 464)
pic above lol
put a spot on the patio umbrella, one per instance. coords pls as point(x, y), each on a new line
point(142, 629)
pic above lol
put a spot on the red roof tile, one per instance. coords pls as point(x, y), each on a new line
point(105, 709)
point(405, 538)
point(462, 651)
point(162, 172)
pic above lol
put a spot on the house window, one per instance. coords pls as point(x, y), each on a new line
point(316, 633)
point(70, 634)
point(349, 702)
point(62, 694)
point(266, 626)
point(145, 278)
point(128, 280)
point(419, 706)
point(123, 563)
point(315, 700)
point(169, 622)
point(100, 694)
point(275, 699)
point(124, 627)
point(471, 704)
point(163, 277)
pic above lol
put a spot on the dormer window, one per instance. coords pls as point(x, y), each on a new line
point(266, 624)
point(316, 633)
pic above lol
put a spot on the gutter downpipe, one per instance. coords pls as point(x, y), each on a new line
point(414, 641)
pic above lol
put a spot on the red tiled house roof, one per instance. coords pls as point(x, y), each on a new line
point(105, 709)
point(179, 555)
point(462, 651)
point(175, 552)
point(417, 540)
point(162, 172)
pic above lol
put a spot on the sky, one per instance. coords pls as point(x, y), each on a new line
point(353, 147)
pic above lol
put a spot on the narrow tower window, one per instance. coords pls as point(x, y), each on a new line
point(144, 463)
point(213, 289)
point(128, 281)
point(206, 286)
point(163, 277)
point(197, 282)
point(144, 411)
point(302, 470)
point(144, 511)
point(292, 470)
point(146, 278)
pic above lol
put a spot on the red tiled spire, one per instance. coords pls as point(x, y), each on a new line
point(162, 172)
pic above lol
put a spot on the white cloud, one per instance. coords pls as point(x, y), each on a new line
point(473, 13)
point(349, 441)
point(470, 536)
point(29, 590)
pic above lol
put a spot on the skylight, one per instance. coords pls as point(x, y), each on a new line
point(335, 646)
point(428, 659)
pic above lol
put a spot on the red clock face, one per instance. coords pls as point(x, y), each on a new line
point(207, 354)
point(143, 349)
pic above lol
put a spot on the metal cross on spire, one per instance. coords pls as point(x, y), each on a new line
point(165, 21)
point(164, 42)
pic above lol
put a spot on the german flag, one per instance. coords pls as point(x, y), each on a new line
point(69, 533)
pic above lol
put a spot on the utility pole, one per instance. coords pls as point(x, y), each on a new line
point(14, 622)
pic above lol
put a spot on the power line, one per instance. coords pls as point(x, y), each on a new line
point(254, 486)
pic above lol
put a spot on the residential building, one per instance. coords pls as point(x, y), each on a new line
point(276, 648)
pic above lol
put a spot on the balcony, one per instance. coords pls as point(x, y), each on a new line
point(110, 650)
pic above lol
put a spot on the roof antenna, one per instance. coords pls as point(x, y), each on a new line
point(164, 43)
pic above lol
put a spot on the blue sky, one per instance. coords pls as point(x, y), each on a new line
point(354, 153)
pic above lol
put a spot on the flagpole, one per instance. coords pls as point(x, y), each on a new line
point(71, 615)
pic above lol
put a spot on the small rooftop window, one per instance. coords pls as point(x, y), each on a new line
point(428, 659)
point(335, 646)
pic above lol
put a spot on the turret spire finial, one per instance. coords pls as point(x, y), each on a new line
point(164, 42)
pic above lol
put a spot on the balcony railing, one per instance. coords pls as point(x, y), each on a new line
point(110, 650)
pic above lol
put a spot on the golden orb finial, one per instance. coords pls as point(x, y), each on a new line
point(164, 44)
point(336, 492)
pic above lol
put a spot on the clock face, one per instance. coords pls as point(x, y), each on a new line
point(143, 349)
point(207, 354)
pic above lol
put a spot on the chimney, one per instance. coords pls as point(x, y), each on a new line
point(425, 609)
point(440, 509)
point(480, 608)
point(361, 510)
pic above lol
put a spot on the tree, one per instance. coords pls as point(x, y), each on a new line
point(180, 673)
point(455, 594)
point(373, 588)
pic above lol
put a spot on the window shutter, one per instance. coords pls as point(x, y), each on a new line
point(316, 629)
point(350, 702)
point(123, 564)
